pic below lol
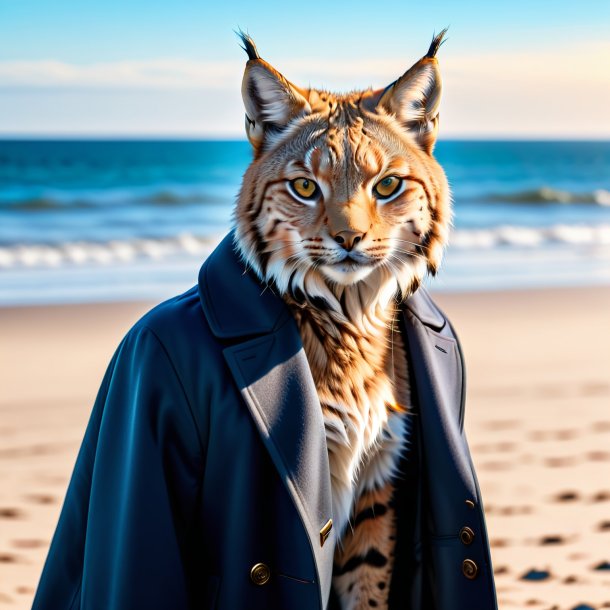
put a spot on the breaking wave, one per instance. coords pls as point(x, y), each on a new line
point(71, 201)
point(187, 244)
point(550, 195)
point(105, 253)
point(531, 237)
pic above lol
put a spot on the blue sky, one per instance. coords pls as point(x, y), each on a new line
point(511, 69)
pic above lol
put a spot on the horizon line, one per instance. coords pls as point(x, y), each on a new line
point(10, 136)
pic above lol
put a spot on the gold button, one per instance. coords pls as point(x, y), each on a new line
point(325, 531)
point(469, 569)
point(260, 574)
point(466, 535)
point(469, 503)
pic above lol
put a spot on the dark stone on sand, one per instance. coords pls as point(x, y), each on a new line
point(6, 558)
point(534, 574)
point(552, 540)
point(10, 513)
point(583, 607)
point(567, 496)
point(604, 565)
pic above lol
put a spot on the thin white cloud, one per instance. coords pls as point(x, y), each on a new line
point(158, 74)
point(184, 74)
point(563, 93)
point(577, 65)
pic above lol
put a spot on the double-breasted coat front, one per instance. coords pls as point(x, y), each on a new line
point(203, 479)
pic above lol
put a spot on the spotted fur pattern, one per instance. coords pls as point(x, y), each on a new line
point(343, 260)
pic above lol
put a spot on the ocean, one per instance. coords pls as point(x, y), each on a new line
point(116, 220)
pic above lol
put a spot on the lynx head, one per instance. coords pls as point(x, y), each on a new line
point(343, 190)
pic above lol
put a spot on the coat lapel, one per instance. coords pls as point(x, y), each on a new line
point(268, 363)
point(439, 379)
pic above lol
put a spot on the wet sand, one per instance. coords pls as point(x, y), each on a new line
point(538, 423)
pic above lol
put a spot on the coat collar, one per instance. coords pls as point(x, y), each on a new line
point(234, 301)
point(252, 309)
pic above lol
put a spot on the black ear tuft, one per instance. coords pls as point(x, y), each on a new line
point(249, 46)
point(437, 41)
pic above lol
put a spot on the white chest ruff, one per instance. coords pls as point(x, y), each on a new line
point(362, 457)
point(359, 367)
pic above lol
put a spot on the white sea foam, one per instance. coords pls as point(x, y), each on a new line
point(77, 253)
point(105, 253)
point(531, 237)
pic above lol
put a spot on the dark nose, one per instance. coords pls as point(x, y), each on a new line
point(348, 239)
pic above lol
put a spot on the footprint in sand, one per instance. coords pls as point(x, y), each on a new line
point(601, 426)
point(594, 389)
point(41, 498)
point(502, 424)
point(546, 540)
point(565, 435)
point(515, 510)
point(577, 556)
point(28, 544)
point(535, 575)
point(567, 496)
point(503, 447)
point(496, 465)
point(499, 542)
point(598, 456)
point(7, 558)
point(601, 496)
point(549, 435)
point(604, 526)
point(559, 462)
point(10, 513)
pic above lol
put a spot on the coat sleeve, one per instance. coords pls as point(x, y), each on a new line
point(124, 532)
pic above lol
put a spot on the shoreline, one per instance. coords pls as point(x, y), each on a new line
point(538, 389)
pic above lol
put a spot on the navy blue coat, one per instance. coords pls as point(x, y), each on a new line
point(205, 455)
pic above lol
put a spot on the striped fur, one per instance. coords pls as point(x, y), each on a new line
point(344, 294)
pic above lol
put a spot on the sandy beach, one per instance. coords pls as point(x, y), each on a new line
point(538, 423)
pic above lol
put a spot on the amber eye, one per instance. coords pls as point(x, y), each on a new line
point(305, 188)
point(387, 187)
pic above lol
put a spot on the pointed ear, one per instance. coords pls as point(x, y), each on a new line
point(271, 100)
point(415, 97)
